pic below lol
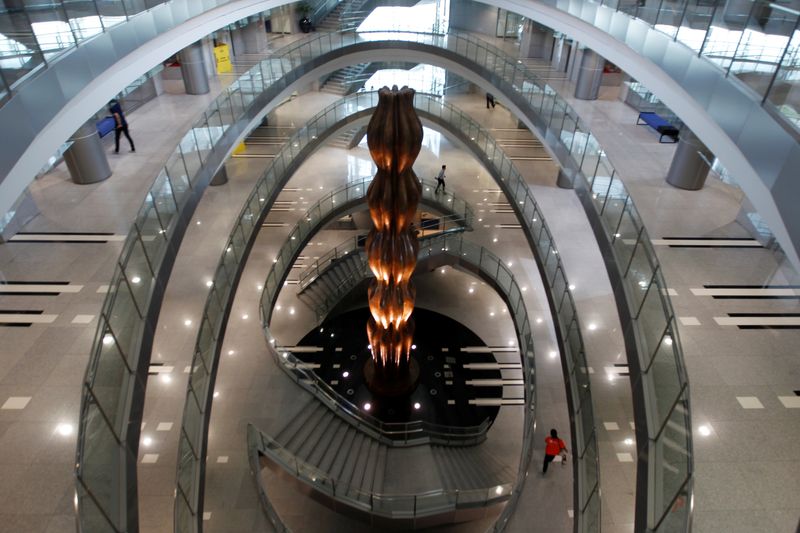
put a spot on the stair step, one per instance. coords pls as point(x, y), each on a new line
point(319, 437)
point(360, 468)
point(325, 461)
point(352, 462)
point(340, 460)
point(299, 438)
point(380, 469)
point(297, 422)
point(369, 471)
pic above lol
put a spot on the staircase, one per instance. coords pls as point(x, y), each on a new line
point(347, 15)
point(346, 140)
point(340, 272)
point(345, 79)
point(355, 462)
point(470, 468)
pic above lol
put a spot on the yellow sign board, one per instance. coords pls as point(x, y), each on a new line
point(222, 57)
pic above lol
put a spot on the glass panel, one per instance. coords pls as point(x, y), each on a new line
point(99, 472)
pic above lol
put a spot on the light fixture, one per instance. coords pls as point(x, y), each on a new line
point(64, 429)
point(539, 321)
point(592, 326)
point(510, 264)
point(494, 240)
point(291, 310)
point(491, 313)
point(245, 316)
point(147, 441)
point(166, 378)
point(553, 354)
point(498, 490)
point(572, 287)
point(367, 406)
point(417, 405)
point(209, 283)
point(345, 374)
point(668, 340)
point(413, 346)
point(628, 441)
point(136, 279)
point(108, 339)
point(231, 352)
point(187, 322)
point(704, 430)
point(471, 290)
point(216, 394)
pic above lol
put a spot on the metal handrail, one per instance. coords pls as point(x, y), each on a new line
point(120, 353)
point(411, 505)
point(340, 251)
point(398, 434)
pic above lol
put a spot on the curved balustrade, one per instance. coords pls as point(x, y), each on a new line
point(491, 269)
point(460, 216)
point(396, 434)
point(202, 151)
point(393, 506)
point(190, 475)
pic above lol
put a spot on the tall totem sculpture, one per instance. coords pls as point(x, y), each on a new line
point(394, 136)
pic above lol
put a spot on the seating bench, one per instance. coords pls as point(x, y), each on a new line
point(655, 121)
point(105, 126)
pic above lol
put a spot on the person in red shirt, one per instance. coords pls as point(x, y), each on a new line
point(553, 446)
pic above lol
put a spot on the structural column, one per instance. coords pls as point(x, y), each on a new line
point(590, 75)
point(86, 158)
point(537, 41)
point(193, 69)
point(690, 164)
point(254, 37)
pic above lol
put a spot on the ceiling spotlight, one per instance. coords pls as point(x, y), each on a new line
point(345, 374)
point(704, 430)
point(367, 406)
point(417, 405)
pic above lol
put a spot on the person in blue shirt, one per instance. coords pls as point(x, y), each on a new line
point(120, 126)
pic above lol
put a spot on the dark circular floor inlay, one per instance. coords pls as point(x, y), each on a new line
point(458, 372)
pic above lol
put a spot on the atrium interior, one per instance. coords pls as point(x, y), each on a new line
point(604, 242)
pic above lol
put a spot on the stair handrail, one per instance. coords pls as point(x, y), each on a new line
point(348, 283)
point(444, 500)
point(345, 248)
point(397, 434)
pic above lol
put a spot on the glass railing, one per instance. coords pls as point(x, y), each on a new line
point(391, 505)
point(758, 41)
point(199, 397)
point(355, 244)
point(457, 214)
point(396, 434)
point(153, 231)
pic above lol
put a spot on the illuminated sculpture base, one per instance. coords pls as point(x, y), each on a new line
point(394, 385)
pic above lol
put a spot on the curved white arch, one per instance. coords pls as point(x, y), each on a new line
point(761, 154)
point(758, 150)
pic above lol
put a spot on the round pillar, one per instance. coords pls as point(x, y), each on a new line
point(193, 69)
point(86, 158)
point(589, 76)
point(690, 164)
point(221, 177)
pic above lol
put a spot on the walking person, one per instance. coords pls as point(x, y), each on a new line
point(440, 180)
point(120, 126)
point(553, 446)
point(489, 100)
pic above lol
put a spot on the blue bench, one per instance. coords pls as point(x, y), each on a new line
point(659, 124)
point(105, 126)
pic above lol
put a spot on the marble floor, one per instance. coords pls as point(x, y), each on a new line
point(741, 356)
